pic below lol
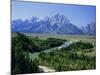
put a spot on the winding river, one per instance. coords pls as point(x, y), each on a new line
point(35, 55)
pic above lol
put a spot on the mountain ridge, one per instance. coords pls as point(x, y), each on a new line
point(58, 24)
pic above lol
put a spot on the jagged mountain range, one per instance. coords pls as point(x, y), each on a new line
point(58, 24)
point(89, 29)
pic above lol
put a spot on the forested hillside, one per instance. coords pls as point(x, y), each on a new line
point(75, 56)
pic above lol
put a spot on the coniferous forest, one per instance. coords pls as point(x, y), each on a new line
point(52, 53)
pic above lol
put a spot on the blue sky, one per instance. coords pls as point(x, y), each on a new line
point(78, 15)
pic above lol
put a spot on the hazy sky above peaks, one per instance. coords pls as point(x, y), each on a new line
point(78, 15)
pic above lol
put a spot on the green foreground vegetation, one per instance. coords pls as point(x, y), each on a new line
point(28, 52)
